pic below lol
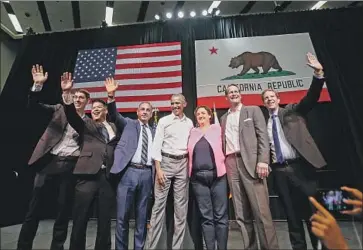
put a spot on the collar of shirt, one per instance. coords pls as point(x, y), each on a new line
point(237, 109)
point(176, 117)
point(275, 112)
point(143, 124)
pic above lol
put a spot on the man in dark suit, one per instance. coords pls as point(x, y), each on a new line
point(53, 159)
point(92, 170)
point(293, 152)
point(133, 164)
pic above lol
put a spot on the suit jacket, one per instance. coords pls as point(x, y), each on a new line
point(294, 125)
point(213, 136)
point(54, 131)
point(95, 151)
point(253, 137)
point(129, 140)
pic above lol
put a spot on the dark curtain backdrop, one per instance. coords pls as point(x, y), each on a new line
point(337, 127)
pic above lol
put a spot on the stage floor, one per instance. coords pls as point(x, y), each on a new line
point(9, 236)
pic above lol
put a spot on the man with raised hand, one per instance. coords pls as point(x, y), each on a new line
point(246, 146)
point(133, 164)
point(170, 154)
point(94, 182)
point(54, 158)
point(293, 153)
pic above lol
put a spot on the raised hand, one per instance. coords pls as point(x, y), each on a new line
point(38, 76)
point(313, 63)
point(66, 81)
point(111, 86)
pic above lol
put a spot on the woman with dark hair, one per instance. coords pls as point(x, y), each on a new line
point(207, 174)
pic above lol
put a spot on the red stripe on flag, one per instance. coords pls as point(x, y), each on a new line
point(148, 45)
point(144, 98)
point(149, 54)
point(148, 65)
point(148, 75)
point(138, 87)
point(255, 99)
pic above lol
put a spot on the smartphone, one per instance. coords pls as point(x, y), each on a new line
point(332, 200)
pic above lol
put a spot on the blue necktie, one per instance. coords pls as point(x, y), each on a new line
point(275, 135)
point(104, 132)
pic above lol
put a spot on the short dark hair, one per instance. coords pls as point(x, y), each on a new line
point(272, 90)
point(83, 91)
point(226, 90)
point(100, 101)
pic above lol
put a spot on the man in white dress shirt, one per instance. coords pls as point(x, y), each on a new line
point(171, 160)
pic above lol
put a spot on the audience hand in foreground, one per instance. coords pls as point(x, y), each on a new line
point(326, 228)
point(66, 81)
point(357, 204)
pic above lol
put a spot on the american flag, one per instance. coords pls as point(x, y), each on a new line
point(149, 72)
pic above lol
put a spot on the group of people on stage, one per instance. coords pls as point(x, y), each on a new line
point(99, 159)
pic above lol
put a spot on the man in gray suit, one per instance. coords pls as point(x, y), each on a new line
point(246, 146)
point(134, 166)
point(293, 152)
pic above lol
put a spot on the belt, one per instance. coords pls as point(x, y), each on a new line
point(139, 166)
point(285, 163)
point(238, 154)
point(175, 157)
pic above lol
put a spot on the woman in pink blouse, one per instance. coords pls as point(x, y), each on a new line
point(207, 174)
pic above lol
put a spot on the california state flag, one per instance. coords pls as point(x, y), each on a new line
point(254, 64)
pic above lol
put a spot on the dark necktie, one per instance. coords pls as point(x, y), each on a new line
point(145, 147)
point(104, 132)
point(278, 151)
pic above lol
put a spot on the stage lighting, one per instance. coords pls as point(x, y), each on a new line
point(217, 12)
point(180, 14)
point(157, 17)
point(192, 14)
point(204, 12)
point(169, 15)
point(29, 31)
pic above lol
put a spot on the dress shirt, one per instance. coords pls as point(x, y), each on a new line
point(111, 133)
point(171, 136)
point(232, 130)
point(69, 144)
point(137, 156)
point(288, 151)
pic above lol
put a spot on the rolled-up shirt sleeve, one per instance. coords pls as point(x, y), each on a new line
point(158, 141)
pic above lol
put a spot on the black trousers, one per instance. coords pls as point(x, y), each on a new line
point(294, 183)
point(61, 184)
point(212, 201)
point(89, 189)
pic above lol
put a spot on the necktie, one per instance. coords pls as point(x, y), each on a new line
point(278, 152)
point(144, 145)
point(104, 132)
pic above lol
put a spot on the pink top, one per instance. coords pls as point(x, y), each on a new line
point(214, 137)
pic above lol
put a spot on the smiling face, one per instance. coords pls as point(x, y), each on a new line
point(271, 100)
point(80, 100)
point(99, 111)
point(144, 112)
point(203, 115)
point(233, 96)
point(178, 104)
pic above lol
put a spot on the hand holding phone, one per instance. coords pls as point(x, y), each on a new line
point(357, 203)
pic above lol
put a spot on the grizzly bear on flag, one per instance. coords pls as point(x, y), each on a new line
point(251, 60)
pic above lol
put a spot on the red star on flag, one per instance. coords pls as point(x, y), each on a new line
point(213, 50)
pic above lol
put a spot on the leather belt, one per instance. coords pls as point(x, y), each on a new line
point(175, 157)
point(285, 163)
point(139, 166)
point(238, 154)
